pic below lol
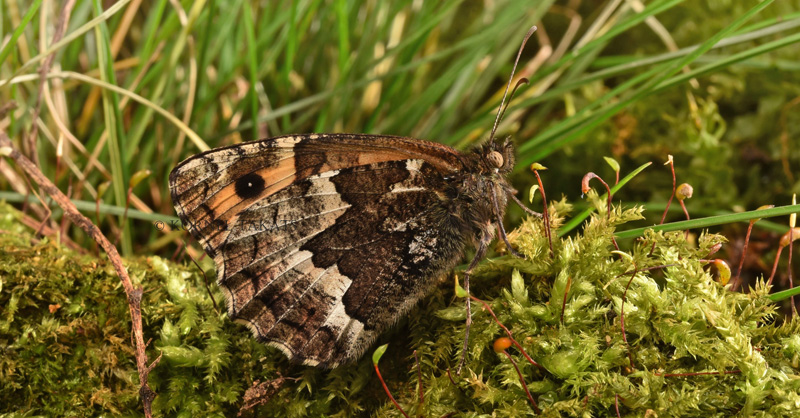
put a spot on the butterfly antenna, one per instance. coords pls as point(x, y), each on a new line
point(520, 82)
point(501, 110)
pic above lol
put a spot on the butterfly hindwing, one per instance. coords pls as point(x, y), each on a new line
point(322, 242)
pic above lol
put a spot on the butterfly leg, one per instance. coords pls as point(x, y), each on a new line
point(525, 208)
point(501, 228)
point(480, 252)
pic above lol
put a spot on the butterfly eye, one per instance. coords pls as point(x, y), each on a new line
point(496, 159)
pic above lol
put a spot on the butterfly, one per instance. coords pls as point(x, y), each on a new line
point(323, 241)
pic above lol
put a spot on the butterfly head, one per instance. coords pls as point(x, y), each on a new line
point(498, 157)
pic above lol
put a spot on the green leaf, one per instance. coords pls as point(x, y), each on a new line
point(102, 188)
point(518, 290)
point(376, 356)
point(532, 192)
point(138, 176)
point(460, 291)
point(613, 163)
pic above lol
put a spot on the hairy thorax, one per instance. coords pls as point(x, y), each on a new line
point(469, 202)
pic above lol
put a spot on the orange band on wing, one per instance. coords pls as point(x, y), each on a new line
point(226, 203)
point(275, 177)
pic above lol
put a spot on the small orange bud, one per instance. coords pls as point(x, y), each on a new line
point(501, 344)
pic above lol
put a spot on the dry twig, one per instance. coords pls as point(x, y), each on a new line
point(134, 294)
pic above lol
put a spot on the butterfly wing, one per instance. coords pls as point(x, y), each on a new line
point(322, 241)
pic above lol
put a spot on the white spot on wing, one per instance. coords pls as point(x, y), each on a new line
point(289, 140)
point(399, 188)
point(324, 175)
point(413, 167)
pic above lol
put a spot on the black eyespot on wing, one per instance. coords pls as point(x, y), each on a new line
point(249, 186)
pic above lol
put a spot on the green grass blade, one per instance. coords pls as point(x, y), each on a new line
point(728, 61)
point(202, 51)
point(712, 221)
point(119, 171)
point(652, 9)
point(252, 60)
point(344, 35)
point(784, 294)
point(629, 64)
point(291, 44)
point(89, 208)
point(703, 212)
point(572, 128)
point(12, 43)
point(178, 46)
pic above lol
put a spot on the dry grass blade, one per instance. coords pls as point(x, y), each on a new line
point(134, 294)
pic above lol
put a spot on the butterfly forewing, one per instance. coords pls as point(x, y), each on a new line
point(322, 241)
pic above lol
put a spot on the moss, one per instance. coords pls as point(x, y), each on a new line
point(64, 331)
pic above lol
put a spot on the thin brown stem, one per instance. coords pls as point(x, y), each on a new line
point(564, 301)
point(789, 269)
point(507, 331)
point(669, 202)
point(450, 376)
point(205, 282)
point(134, 294)
point(774, 266)
point(386, 389)
point(545, 215)
point(672, 196)
point(737, 280)
point(522, 382)
point(622, 314)
point(585, 188)
point(685, 212)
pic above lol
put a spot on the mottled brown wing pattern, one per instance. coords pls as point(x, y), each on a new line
point(321, 242)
